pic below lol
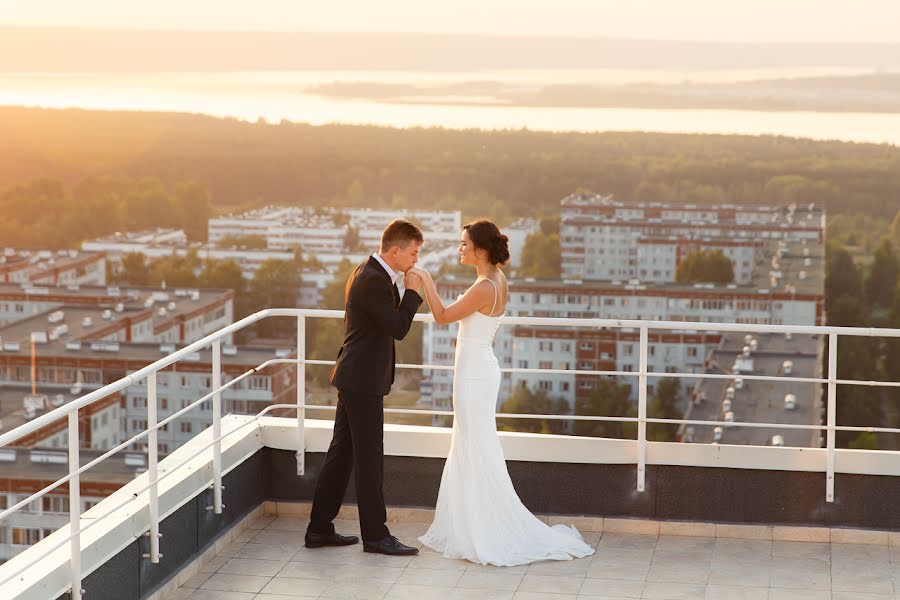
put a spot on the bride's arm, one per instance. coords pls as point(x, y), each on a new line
point(475, 297)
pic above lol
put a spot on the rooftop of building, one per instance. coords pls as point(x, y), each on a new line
point(37, 262)
point(762, 401)
point(50, 464)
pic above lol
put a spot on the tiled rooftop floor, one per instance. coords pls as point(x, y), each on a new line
point(268, 562)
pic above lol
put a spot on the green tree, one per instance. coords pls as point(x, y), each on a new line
point(351, 239)
point(842, 278)
point(895, 230)
point(524, 400)
point(276, 284)
point(195, 208)
point(252, 242)
point(134, 269)
point(883, 276)
point(892, 357)
point(541, 257)
point(664, 405)
point(608, 398)
point(705, 266)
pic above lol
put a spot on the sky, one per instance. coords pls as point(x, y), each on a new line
point(698, 20)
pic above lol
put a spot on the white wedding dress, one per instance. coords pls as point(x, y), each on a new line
point(479, 516)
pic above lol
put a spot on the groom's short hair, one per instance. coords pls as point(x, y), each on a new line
point(401, 233)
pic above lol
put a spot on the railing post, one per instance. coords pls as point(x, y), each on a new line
point(832, 417)
point(642, 412)
point(301, 394)
point(75, 505)
point(153, 460)
point(217, 425)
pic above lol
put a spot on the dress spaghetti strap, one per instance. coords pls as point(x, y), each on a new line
point(496, 291)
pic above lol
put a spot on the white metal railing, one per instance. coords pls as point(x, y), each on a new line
point(214, 341)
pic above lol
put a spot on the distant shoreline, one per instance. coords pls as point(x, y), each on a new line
point(876, 93)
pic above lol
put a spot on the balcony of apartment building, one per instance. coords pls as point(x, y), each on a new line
point(223, 517)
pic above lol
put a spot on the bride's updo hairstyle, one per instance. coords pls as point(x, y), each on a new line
point(486, 236)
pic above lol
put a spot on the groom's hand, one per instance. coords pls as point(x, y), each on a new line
point(411, 281)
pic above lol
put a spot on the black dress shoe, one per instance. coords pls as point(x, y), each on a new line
point(389, 545)
point(318, 540)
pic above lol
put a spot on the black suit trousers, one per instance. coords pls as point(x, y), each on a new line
point(357, 446)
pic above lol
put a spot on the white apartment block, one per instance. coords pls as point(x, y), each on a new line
point(322, 230)
point(796, 299)
point(602, 239)
point(55, 268)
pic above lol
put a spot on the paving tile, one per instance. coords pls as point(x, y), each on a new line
point(520, 595)
point(418, 592)
point(679, 567)
point(674, 591)
point(800, 573)
point(627, 540)
point(801, 550)
point(552, 584)
point(490, 581)
point(366, 573)
point(616, 588)
point(288, 524)
point(214, 565)
point(356, 590)
point(304, 570)
point(266, 552)
point(276, 537)
point(735, 592)
point(289, 586)
point(430, 577)
point(225, 582)
point(734, 571)
point(782, 594)
point(219, 595)
point(197, 580)
point(253, 566)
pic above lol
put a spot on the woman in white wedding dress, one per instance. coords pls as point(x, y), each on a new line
point(479, 516)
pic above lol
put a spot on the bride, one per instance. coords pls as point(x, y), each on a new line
point(479, 516)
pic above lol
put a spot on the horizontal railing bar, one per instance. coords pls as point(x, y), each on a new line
point(655, 374)
point(118, 448)
point(62, 411)
point(414, 411)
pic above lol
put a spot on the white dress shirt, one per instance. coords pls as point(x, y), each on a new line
point(391, 273)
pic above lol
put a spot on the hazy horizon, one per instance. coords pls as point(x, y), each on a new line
point(743, 21)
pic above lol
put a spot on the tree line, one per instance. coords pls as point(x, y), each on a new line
point(497, 174)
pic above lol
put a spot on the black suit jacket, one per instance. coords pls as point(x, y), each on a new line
point(374, 317)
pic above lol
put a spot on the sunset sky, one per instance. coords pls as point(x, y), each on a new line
point(723, 20)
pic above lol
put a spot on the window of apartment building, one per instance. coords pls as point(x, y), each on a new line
point(260, 382)
point(586, 346)
point(628, 349)
point(564, 365)
point(564, 386)
point(545, 385)
point(138, 424)
point(523, 364)
point(186, 427)
point(545, 364)
point(692, 351)
point(628, 368)
point(139, 402)
point(4, 503)
point(565, 347)
point(164, 403)
point(651, 350)
point(185, 381)
point(545, 346)
point(25, 536)
point(56, 504)
point(163, 448)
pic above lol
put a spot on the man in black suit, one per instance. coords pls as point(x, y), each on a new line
point(374, 317)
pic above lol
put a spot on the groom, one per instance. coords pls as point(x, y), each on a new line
point(374, 317)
